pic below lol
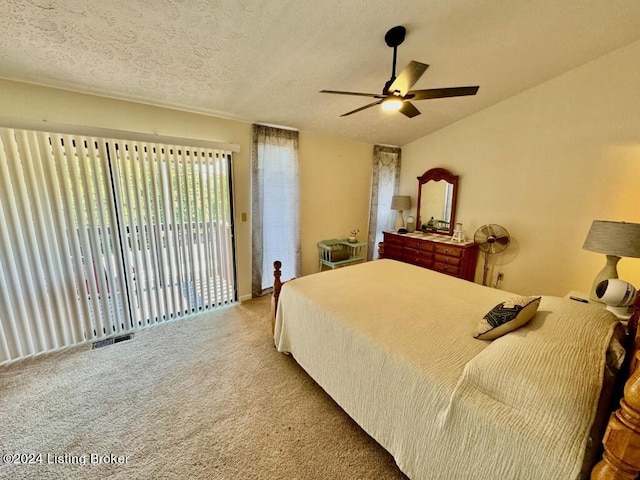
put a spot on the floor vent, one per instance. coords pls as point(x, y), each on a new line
point(111, 341)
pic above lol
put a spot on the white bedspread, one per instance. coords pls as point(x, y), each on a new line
point(393, 345)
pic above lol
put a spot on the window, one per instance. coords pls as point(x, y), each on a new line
point(275, 224)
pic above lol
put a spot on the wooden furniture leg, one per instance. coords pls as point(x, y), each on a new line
point(277, 286)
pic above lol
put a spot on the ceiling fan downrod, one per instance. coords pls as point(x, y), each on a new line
point(393, 38)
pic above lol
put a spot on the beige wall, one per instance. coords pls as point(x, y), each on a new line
point(544, 164)
point(335, 174)
point(335, 186)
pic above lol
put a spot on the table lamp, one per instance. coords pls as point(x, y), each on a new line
point(400, 203)
point(615, 240)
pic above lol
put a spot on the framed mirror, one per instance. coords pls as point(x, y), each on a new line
point(437, 196)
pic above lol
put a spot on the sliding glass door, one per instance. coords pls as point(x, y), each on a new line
point(103, 236)
point(175, 220)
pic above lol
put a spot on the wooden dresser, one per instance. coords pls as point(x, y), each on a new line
point(435, 252)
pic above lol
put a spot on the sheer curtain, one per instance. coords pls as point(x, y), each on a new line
point(384, 185)
point(275, 215)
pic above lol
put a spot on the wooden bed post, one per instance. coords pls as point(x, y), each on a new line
point(621, 459)
point(277, 286)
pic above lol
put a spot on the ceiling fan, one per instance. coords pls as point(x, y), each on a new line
point(397, 91)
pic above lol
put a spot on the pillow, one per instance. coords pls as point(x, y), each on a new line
point(506, 317)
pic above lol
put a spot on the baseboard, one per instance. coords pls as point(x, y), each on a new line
point(244, 298)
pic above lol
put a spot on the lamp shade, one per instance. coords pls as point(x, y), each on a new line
point(620, 239)
point(401, 202)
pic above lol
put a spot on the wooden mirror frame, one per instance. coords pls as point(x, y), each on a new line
point(437, 174)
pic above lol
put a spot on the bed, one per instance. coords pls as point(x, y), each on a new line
point(393, 345)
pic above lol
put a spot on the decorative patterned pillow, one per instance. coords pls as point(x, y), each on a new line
point(506, 317)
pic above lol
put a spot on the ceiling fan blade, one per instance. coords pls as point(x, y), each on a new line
point(442, 92)
point(361, 108)
point(407, 77)
point(373, 95)
point(409, 110)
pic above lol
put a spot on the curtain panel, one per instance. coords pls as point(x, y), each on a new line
point(384, 185)
point(275, 209)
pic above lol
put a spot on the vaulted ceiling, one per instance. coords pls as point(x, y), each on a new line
point(266, 60)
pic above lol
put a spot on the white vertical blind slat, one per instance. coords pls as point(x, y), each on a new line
point(159, 229)
point(183, 234)
point(206, 223)
point(191, 279)
point(176, 231)
point(199, 284)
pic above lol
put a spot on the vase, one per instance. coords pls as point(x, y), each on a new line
point(353, 239)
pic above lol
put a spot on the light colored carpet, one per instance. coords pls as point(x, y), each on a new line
point(207, 398)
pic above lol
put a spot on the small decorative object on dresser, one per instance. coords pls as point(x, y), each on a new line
point(411, 224)
point(353, 238)
point(458, 233)
point(435, 252)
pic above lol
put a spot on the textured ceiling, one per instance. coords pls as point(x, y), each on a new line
point(265, 61)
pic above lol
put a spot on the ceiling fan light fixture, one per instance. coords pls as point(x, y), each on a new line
point(391, 104)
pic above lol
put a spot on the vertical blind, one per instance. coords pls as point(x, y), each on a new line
point(101, 237)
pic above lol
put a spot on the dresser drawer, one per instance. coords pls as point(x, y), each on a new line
point(417, 244)
point(454, 261)
point(413, 254)
point(392, 251)
point(392, 240)
point(417, 257)
point(449, 250)
point(446, 268)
